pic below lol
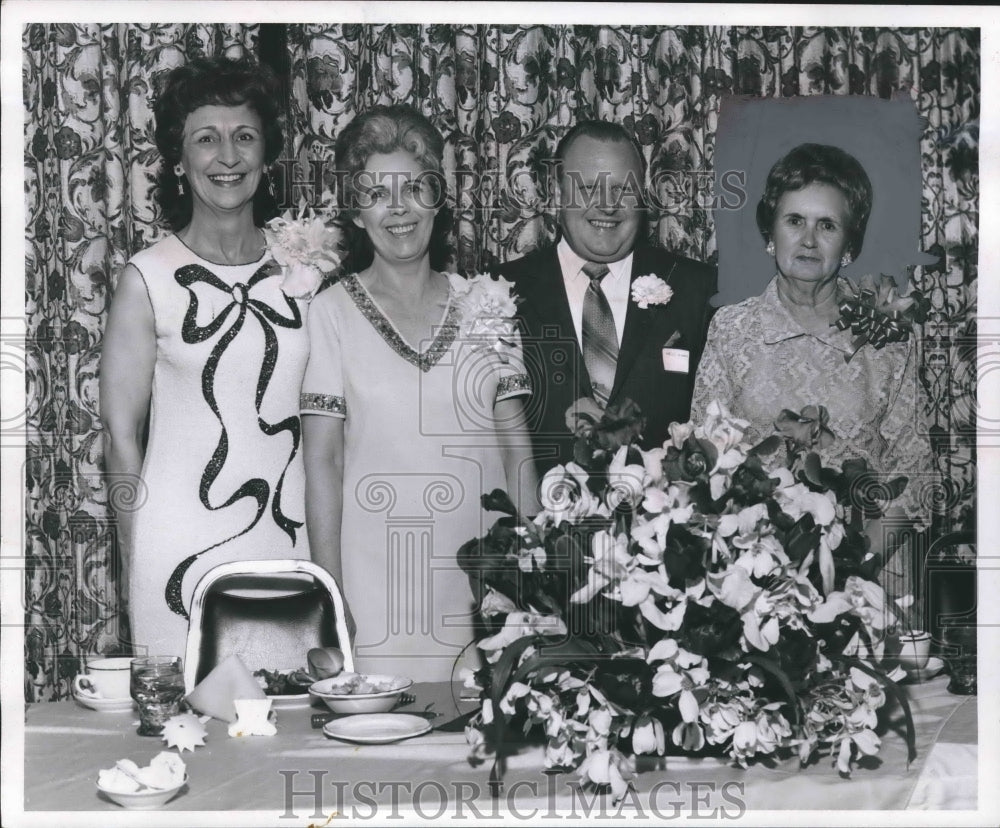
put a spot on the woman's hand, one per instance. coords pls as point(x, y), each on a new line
point(323, 455)
point(128, 357)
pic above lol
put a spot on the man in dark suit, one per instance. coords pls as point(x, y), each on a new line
point(584, 332)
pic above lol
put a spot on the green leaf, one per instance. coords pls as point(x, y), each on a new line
point(813, 468)
point(769, 445)
point(770, 666)
point(503, 668)
point(564, 653)
point(893, 690)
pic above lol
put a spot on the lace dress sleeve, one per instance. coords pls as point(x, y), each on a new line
point(712, 381)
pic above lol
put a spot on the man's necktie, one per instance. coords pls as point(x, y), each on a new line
point(600, 340)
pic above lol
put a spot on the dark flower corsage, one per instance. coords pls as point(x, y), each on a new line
point(876, 314)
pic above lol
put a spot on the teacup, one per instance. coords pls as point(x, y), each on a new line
point(915, 649)
point(105, 678)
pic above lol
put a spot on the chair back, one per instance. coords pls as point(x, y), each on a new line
point(949, 585)
point(268, 612)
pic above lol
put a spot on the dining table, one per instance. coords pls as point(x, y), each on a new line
point(300, 776)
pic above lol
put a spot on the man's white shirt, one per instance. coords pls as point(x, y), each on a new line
point(616, 286)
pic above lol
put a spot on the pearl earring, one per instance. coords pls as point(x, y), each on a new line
point(770, 248)
point(845, 260)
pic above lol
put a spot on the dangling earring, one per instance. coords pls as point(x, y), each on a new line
point(770, 248)
point(179, 172)
point(269, 184)
point(180, 187)
point(845, 260)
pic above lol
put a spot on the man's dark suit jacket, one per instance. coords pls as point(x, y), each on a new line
point(555, 362)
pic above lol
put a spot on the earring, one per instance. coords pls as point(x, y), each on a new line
point(269, 184)
point(179, 172)
point(845, 260)
point(770, 248)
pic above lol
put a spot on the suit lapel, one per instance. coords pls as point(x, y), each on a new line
point(549, 297)
point(636, 323)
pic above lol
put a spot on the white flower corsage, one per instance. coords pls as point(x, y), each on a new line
point(651, 290)
point(487, 307)
point(305, 248)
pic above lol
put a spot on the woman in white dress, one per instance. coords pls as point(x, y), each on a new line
point(405, 424)
point(202, 337)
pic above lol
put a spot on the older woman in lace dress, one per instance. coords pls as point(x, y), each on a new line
point(780, 350)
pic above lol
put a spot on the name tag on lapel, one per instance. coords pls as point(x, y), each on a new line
point(676, 360)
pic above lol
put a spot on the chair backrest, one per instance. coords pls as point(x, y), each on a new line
point(948, 584)
point(268, 612)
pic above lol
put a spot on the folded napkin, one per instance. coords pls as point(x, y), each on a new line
point(229, 681)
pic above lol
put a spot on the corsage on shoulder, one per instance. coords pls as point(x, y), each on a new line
point(876, 314)
point(651, 290)
point(486, 310)
point(306, 248)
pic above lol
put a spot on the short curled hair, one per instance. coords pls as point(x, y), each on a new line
point(607, 132)
point(382, 130)
point(214, 81)
point(819, 164)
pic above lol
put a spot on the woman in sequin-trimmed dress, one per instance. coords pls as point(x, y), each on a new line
point(405, 425)
point(201, 336)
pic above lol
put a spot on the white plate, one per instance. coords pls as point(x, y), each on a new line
point(377, 728)
point(290, 702)
point(104, 705)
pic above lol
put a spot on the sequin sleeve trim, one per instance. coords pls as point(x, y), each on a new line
point(513, 385)
point(323, 404)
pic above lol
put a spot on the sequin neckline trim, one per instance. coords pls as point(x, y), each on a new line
point(445, 336)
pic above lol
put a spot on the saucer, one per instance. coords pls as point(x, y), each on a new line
point(104, 705)
point(932, 668)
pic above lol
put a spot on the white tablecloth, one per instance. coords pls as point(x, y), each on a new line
point(301, 776)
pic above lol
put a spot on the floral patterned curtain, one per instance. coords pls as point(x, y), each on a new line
point(90, 165)
point(502, 96)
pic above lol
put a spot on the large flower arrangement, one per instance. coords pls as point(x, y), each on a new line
point(703, 596)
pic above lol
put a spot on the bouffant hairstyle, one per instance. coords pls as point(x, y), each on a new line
point(823, 164)
point(384, 130)
point(214, 81)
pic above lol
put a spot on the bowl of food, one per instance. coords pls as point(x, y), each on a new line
point(360, 693)
point(143, 789)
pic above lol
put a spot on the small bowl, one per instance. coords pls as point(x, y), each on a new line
point(330, 690)
point(144, 800)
